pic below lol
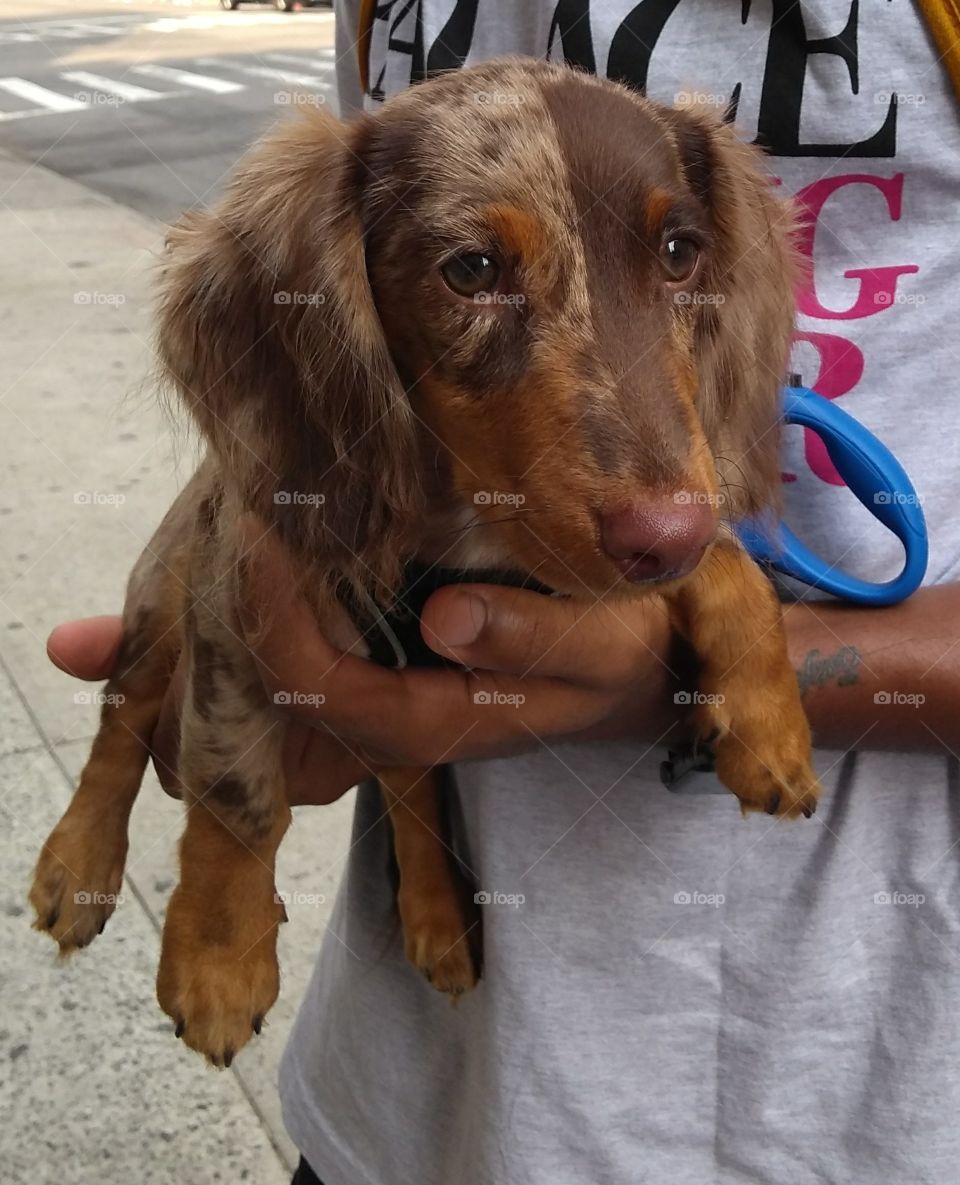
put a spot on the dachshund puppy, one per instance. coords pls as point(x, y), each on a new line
point(514, 286)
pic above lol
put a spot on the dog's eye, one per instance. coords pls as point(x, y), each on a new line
point(471, 273)
point(680, 258)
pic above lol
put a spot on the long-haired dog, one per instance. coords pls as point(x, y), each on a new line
point(512, 278)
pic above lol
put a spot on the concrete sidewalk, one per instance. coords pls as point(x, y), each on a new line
point(96, 1090)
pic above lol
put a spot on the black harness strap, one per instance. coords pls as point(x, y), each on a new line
point(393, 635)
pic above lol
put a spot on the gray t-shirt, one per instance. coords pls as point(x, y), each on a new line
point(676, 995)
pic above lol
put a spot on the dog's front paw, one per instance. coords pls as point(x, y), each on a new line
point(760, 736)
point(218, 973)
point(768, 770)
point(441, 940)
point(76, 884)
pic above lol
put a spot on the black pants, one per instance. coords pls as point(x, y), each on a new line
point(305, 1175)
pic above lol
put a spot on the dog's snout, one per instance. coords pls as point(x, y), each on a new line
point(658, 539)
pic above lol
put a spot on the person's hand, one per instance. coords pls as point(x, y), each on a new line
point(539, 667)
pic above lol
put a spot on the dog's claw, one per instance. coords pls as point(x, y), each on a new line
point(52, 919)
point(773, 804)
point(257, 1024)
point(181, 1025)
point(227, 1059)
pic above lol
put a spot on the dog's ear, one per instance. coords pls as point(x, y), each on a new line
point(745, 323)
point(268, 331)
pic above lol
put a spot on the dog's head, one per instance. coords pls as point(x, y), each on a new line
point(517, 289)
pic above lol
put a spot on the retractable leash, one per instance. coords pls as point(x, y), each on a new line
point(881, 484)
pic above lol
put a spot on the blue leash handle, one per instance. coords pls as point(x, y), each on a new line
point(877, 479)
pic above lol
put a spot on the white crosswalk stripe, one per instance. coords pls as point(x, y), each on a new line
point(79, 29)
point(301, 60)
point(43, 31)
point(111, 86)
point(51, 100)
point(290, 77)
point(200, 82)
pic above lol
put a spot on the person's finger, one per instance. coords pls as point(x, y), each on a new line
point(417, 717)
point(87, 648)
point(603, 645)
point(318, 767)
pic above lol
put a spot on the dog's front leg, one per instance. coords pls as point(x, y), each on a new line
point(441, 923)
point(748, 702)
point(218, 971)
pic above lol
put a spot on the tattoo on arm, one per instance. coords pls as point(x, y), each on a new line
point(841, 667)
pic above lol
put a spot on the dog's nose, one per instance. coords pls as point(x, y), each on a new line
point(658, 539)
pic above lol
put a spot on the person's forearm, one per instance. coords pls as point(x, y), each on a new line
point(880, 678)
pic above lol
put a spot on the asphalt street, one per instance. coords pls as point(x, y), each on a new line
point(152, 103)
